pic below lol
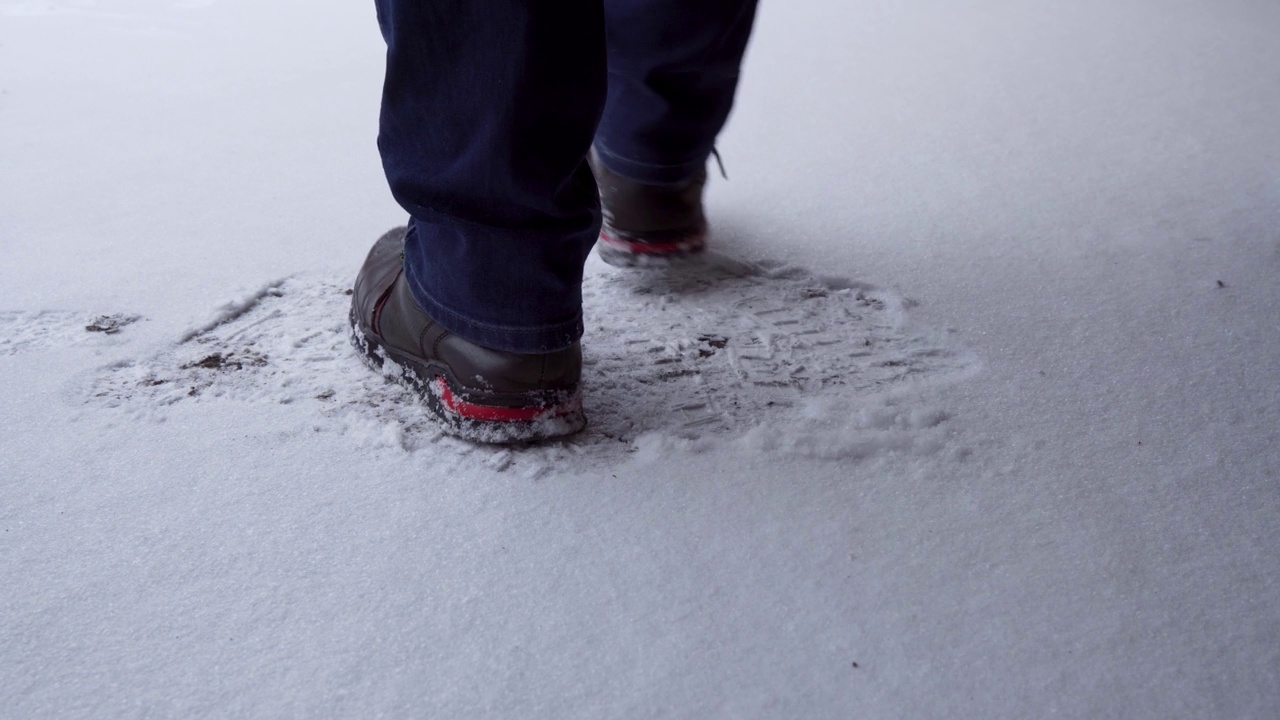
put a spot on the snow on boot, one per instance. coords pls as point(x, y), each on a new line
point(477, 393)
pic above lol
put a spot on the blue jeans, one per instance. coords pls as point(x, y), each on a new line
point(488, 111)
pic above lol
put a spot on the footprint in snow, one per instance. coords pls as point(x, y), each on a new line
point(45, 329)
point(718, 350)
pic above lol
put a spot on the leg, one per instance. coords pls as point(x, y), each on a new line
point(488, 111)
point(673, 70)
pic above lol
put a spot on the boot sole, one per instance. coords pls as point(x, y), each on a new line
point(504, 420)
point(620, 251)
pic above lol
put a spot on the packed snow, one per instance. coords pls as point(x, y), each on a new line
point(973, 410)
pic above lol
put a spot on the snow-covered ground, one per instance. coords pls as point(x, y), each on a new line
point(1016, 263)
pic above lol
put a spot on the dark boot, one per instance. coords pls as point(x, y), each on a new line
point(477, 393)
point(646, 223)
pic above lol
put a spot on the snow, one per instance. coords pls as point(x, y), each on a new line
point(1047, 486)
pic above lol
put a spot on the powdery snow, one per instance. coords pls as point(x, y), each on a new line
point(974, 411)
point(706, 353)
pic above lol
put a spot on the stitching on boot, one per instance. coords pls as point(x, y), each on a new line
point(422, 336)
point(435, 347)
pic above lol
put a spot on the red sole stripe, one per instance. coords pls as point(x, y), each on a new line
point(493, 413)
point(653, 248)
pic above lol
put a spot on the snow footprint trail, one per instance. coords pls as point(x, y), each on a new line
point(25, 331)
point(717, 347)
point(692, 356)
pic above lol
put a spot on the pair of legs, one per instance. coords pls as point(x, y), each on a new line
point(489, 110)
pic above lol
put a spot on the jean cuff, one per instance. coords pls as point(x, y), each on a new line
point(647, 172)
point(525, 340)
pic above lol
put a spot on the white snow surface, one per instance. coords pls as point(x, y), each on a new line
point(973, 412)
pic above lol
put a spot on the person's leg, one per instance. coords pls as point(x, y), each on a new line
point(673, 71)
point(488, 110)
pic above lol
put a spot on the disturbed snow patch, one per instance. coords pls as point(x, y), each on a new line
point(675, 358)
point(26, 331)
